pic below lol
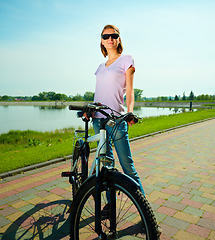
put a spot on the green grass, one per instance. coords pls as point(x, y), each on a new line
point(154, 124)
point(209, 105)
point(23, 148)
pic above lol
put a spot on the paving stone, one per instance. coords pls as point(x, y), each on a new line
point(176, 223)
point(154, 206)
point(201, 199)
point(153, 187)
point(185, 195)
point(44, 186)
point(7, 211)
point(148, 191)
point(4, 221)
point(175, 182)
point(169, 177)
point(20, 234)
point(206, 223)
point(168, 230)
point(207, 185)
point(166, 211)
point(175, 205)
point(29, 197)
point(192, 203)
point(3, 202)
point(184, 235)
point(10, 199)
point(162, 184)
point(26, 208)
point(196, 192)
point(43, 193)
point(187, 217)
point(171, 191)
point(212, 235)
point(198, 230)
point(63, 185)
point(193, 211)
point(208, 208)
point(175, 198)
point(159, 216)
point(58, 191)
point(160, 201)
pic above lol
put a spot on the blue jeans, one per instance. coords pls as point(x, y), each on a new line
point(122, 146)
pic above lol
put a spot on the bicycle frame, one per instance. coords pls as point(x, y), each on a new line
point(101, 149)
point(100, 153)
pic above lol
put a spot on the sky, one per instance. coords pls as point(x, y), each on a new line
point(54, 45)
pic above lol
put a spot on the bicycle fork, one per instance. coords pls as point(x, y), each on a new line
point(100, 178)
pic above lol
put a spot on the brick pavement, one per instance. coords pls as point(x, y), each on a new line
point(177, 170)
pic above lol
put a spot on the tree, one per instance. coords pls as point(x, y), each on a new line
point(51, 96)
point(35, 98)
point(176, 98)
point(88, 96)
point(58, 96)
point(184, 97)
point(191, 96)
point(78, 97)
point(43, 96)
point(164, 98)
point(138, 94)
point(5, 98)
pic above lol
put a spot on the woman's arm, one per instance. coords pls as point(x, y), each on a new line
point(130, 91)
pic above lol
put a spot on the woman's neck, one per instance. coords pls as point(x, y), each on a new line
point(112, 55)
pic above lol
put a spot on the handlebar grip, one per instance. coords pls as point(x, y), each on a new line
point(76, 107)
point(130, 117)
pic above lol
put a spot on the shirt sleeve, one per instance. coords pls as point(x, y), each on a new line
point(129, 62)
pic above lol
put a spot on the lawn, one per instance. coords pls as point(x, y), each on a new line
point(23, 148)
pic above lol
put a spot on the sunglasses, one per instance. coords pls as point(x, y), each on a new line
point(113, 36)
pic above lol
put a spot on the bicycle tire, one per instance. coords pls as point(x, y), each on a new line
point(133, 211)
point(79, 158)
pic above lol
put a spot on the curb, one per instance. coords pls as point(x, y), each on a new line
point(57, 160)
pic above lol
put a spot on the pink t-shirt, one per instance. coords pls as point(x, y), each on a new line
point(111, 83)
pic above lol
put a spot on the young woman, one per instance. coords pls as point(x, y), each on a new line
point(114, 78)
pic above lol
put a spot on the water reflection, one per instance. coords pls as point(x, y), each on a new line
point(51, 107)
point(49, 118)
point(181, 110)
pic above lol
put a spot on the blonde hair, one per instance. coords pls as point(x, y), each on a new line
point(119, 48)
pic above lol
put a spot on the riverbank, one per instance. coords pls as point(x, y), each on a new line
point(25, 148)
point(172, 104)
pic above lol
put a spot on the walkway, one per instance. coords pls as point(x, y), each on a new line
point(177, 170)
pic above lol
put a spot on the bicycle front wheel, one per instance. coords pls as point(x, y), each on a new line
point(134, 216)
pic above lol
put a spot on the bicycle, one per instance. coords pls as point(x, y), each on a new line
point(128, 212)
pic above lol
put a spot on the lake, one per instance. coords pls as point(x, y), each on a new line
point(50, 118)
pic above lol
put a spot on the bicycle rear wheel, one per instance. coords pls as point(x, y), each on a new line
point(80, 164)
point(134, 216)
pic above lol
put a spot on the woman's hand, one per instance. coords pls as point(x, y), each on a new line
point(131, 123)
point(85, 115)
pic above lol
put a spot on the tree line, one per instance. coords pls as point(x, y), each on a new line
point(89, 96)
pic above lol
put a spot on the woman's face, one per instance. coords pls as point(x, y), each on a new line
point(110, 43)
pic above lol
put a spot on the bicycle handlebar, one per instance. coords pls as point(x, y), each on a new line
point(76, 107)
point(98, 107)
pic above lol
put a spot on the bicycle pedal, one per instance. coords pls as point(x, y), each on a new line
point(66, 174)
